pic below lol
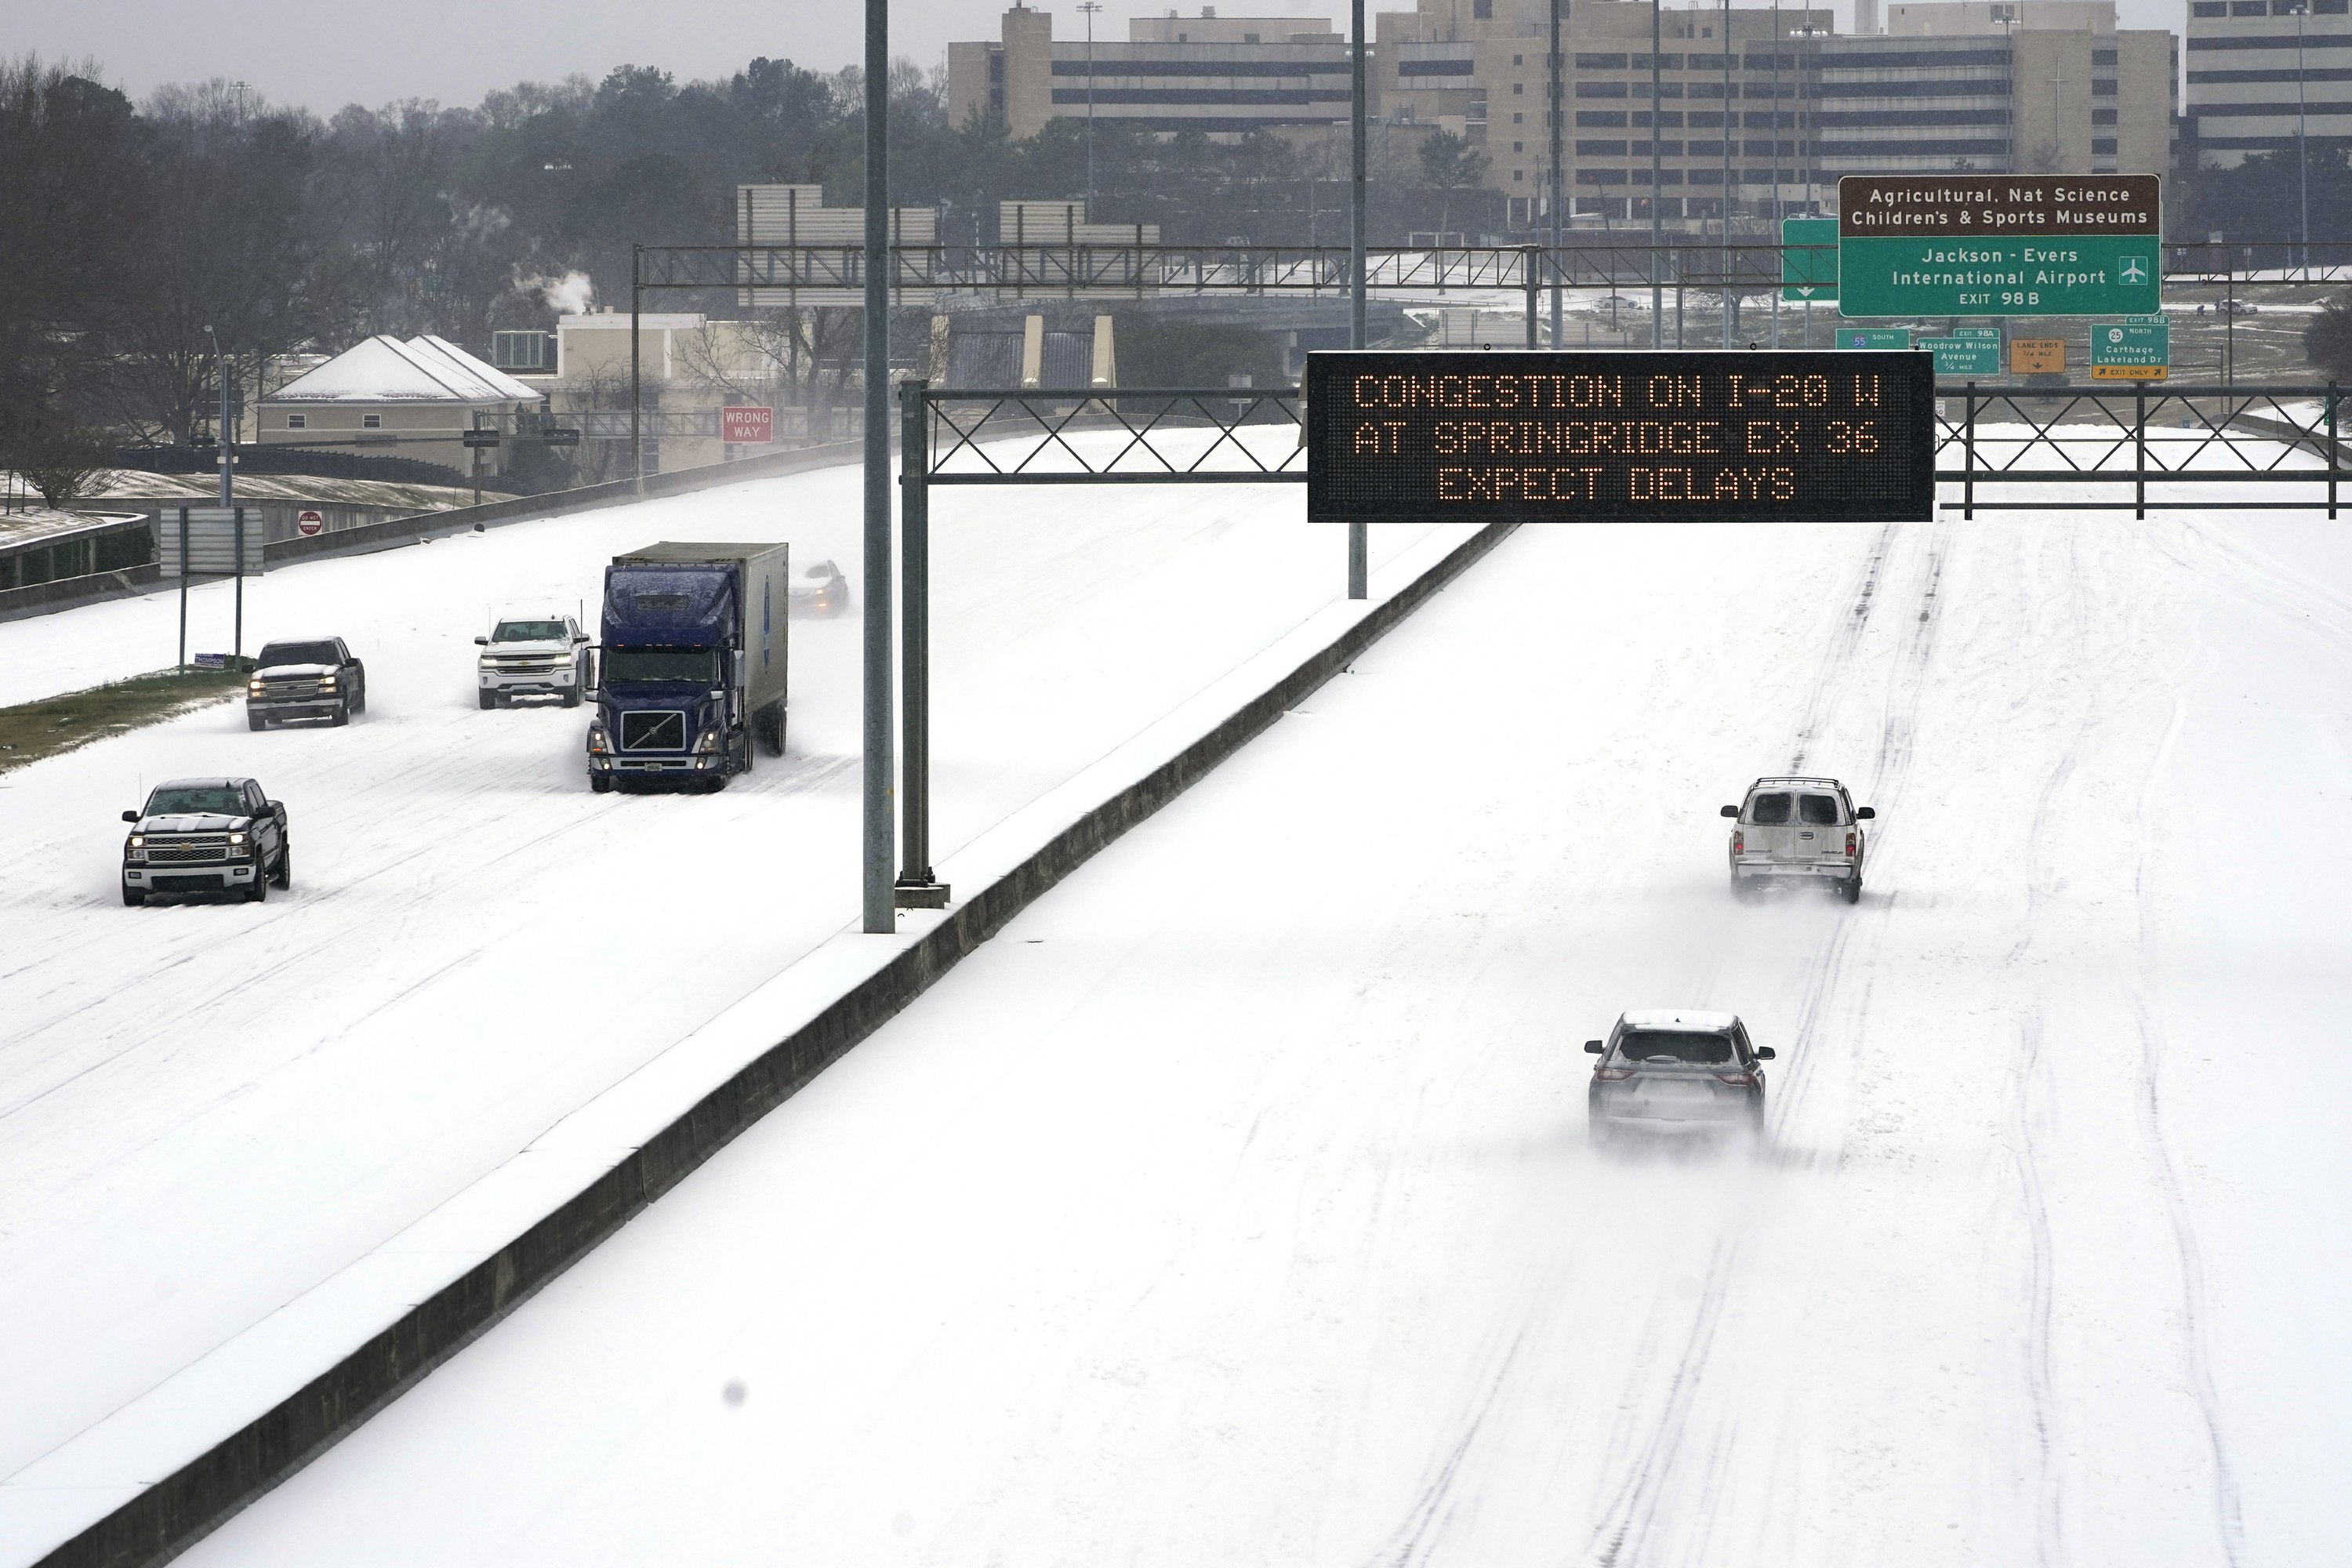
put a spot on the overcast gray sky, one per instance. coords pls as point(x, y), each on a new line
point(325, 55)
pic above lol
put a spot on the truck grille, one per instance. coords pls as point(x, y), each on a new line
point(188, 851)
point(289, 688)
point(654, 730)
point(535, 661)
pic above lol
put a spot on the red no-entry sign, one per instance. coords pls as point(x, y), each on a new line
point(309, 522)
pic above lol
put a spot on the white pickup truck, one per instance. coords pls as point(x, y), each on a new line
point(1795, 828)
point(539, 656)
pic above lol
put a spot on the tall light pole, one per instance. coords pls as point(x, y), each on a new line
point(1558, 179)
point(1657, 122)
point(1359, 541)
point(220, 374)
point(880, 826)
point(2302, 154)
point(1730, 121)
point(1776, 159)
point(1088, 8)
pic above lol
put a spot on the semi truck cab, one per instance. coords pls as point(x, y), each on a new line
point(694, 660)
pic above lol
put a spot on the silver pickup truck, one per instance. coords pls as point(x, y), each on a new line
point(206, 835)
point(1798, 829)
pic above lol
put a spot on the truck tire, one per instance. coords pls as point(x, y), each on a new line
point(258, 893)
point(134, 897)
point(490, 701)
point(768, 724)
point(255, 722)
point(361, 706)
point(1851, 889)
point(342, 714)
point(285, 878)
point(601, 783)
point(572, 695)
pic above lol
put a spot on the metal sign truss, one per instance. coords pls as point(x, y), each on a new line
point(1138, 267)
point(2164, 433)
point(979, 438)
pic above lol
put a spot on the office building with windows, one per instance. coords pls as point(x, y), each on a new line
point(2262, 73)
point(1226, 76)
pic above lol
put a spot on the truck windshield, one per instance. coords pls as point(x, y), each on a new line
point(1675, 1045)
point(671, 666)
point(528, 631)
point(216, 799)
point(296, 653)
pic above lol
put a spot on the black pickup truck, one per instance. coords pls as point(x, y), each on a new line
point(206, 835)
point(314, 678)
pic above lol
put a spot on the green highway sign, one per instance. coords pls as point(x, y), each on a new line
point(1972, 355)
point(1810, 274)
point(2078, 275)
point(1873, 337)
point(2137, 348)
point(1992, 333)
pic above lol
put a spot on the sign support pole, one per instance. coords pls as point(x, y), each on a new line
point(881, 914)
point(2140, 459)
point(1359, 542)
point(1531, 252)
point(236, 641)
point(183, 587)
point(2333, 460)
point(916, 887)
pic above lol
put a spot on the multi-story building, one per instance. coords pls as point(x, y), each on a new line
point(1759, 109)
point(1999, 85)
point(2264, 73)
point(1478, 70)
point(1226, 76)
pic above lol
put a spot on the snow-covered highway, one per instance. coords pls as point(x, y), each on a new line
point(1234, 1205)
point(206, 1110)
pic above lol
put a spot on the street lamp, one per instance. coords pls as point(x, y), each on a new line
point(1089, 7)
point(1657, 288)
point(221, 431)
point(2302, 154)
point(1552, 113)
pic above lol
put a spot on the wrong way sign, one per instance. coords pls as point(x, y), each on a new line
point(307, 523)
point(743, 425)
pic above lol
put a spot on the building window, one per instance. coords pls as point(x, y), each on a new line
point(1517, 174)
point(1519, 89)
point(2250, 7)
point(1249, 37)
point(1600, 90)
point(1483, 10)
point(371, 421)
point(1603, 119)
point(1518, 60)
point(298, 422)
point(1517, 118)
point(2209, 8)
point(2106, 144)
point(2327, 7)
point(1518, 146)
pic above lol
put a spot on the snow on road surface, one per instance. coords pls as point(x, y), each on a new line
point(207, 1109)
point(1234, 1205)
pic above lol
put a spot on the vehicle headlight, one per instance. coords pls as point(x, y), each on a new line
point(237, 839)
point(707, 743)
point(135, 849)
point(252, 688)
point(326, 683)
point(599, 743)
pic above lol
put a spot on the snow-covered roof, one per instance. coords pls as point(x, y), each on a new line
point(1672, 1017)
point(422, 370)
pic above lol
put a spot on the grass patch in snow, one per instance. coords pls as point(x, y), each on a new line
point(31, 730)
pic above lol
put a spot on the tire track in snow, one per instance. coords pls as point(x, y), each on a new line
point(2196, 1354)
point(2048, 1486)
point(1626, 1531)
point(1433, 1505)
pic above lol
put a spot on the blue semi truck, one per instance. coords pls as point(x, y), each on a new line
point(691, 665)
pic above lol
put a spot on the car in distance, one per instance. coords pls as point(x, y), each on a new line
point(822, 590)
point(544, 655)
point(309, 678)
point(206, 835)
point(1793, 829)
point(1675, 1073)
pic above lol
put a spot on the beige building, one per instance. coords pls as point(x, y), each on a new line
point(1224, 76)
point(1770, 108)
point(385, 397)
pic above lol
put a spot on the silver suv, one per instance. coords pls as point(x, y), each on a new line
point(1672, 1072)
point(1797, 828)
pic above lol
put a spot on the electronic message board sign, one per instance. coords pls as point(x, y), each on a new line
point(1720, 435)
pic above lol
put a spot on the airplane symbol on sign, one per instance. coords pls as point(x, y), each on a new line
point(2135, 269)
